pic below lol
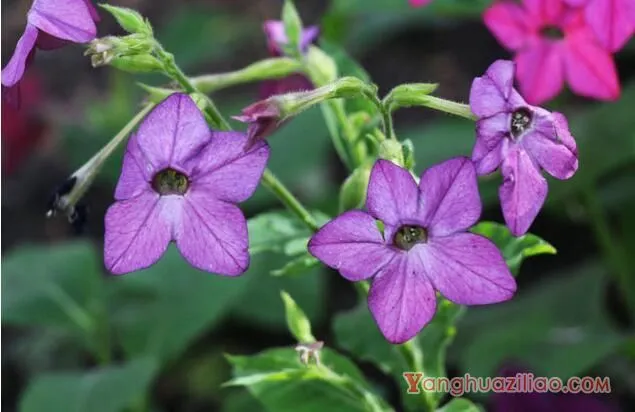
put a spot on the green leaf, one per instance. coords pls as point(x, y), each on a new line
point(160, 310)
point(129, 20)
point(276, 231)
point(459, 405)
point(281, 382)
point(560, 329)
point(298, 265)
point(110, 389)
point(54, 285)
point(298, 324)
point(514, 249)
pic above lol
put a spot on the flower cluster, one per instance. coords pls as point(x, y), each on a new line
point(563, 40)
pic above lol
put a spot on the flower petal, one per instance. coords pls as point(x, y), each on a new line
point(509, 24)
point(419, 3)
point(467, 269)
point(523, 191)
point(392, 193)
point(610, 22)
point(352, 244)
point(489, 93)
point(401, 299)
point(539, 70)
point(590, 69)
point(551, 153)
point(545, 12)
point(14, 70)
point(212, 235)
point(490, 136)
point(138, 231)
point(172, 133)
point(449, 199)
point(225, 170)
point(64, 19)
point(136, 174)
point(309, 35)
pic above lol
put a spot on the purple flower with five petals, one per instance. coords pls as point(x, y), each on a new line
point(425, 246)
point(276, 39)
point(50, 24)
point(180, 182)
point(521, 139)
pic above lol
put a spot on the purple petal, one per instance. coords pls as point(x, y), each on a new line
point(489, 93)
point(276, 36)
point(226, 171)
point(467, 269)
point(352, 244)
point(212, 235)
point(92, 10)
point(449, 199)
point(523, 192)
point(610, 22)
point(64, 19)
point(173, 133)
point(309, 35)
point(540, 72)
point(552, 154)
point(135, 175)
point(14, 70)
point(138, 231)
point(392, 193)
point(401, 299)
point(491, 133)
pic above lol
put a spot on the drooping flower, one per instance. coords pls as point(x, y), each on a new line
point(263, 118)
point(276, 39)
point(50, 24)
point(553, 43)
point(425, 246)
point(520, 139)
point(612, 21)
point(419, 3)
point(180, 182)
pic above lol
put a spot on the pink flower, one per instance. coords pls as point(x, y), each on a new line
point(50, 24)
point(180, 182)
point(612, 21)
point(419, 3)
point(553, 43)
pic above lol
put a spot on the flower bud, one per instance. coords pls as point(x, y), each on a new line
point(353, 191)
point(320, 67)
point(142, 63)
point(391, 150)
point(130, 20)
point(408, 95)
point(130, 53)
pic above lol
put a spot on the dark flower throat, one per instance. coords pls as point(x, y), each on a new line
point(521, 120)
point(407, 237)
point(170, 182)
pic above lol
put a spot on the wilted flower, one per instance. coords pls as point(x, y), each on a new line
point(612, 21)
point(263, 118)
point(276, 39)
point(50, 24)
point(521, 139)
point(424, 246)
point(180, 182)
point(553, 43)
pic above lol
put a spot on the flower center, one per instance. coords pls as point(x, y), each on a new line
point(521, 120)
point(407, 237)
point(170, 182)
point(552, 32)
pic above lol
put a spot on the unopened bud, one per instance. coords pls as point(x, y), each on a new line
point(354, 188)
point(320, 67)
point(130, 20)
point(142, 63)
point(391, 150)
point(408, 95)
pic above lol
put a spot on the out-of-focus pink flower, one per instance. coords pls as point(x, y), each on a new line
point(612, 21)
point(419, 3)
point(553, 43)
point(50, 24)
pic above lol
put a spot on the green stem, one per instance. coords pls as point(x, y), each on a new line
point(610, 246)
point(447, 106)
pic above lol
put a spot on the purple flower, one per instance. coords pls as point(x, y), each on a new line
point(180, 182)
point(50, 24)
point(424, 247)
point(276, 39)
point(521, 139)
point(263, 117)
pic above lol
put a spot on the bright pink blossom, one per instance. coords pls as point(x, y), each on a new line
point(612, 21)
point(419, 3)
point(553, 43)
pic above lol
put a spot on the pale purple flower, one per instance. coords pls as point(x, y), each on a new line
point(180, 182)
point(425, 246)
point(50, 24)
point(520, 139)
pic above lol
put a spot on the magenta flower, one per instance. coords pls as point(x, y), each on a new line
point(612, 21)
point(553, 43)
point(50, 24)
point(180, 182)
point(521, 139)
point(276, 39)
point(424, 246)
point(419, 3)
